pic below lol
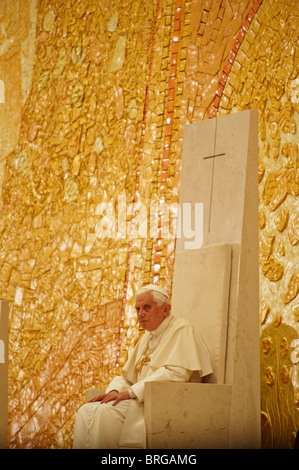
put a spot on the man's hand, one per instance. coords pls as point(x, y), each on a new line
point(114, 396)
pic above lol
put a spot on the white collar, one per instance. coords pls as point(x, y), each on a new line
point(162, 327)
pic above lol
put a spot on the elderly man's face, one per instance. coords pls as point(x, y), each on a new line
point(150, 315)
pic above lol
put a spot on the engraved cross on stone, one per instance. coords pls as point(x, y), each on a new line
point(215, 155)
point(214, 173)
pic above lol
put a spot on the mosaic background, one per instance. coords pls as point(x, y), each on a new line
point(93, 101)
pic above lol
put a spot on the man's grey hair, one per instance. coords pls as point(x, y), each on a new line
point(158, 297)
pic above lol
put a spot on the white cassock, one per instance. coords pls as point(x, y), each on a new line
point(170, 353)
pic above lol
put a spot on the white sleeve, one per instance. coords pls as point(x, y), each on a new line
point(163, 374)
point(119, 383)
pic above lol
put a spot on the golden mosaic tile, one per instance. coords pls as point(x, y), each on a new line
point(129, 76)
point(63, 168)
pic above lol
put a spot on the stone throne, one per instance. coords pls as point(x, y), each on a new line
point(216, 287)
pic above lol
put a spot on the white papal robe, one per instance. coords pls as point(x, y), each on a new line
point(172, 353)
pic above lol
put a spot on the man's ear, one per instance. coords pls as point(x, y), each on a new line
point(167, 308)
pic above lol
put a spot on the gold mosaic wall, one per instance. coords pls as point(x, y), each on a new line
point(104, 89)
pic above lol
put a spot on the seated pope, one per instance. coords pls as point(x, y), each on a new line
point(169, 350)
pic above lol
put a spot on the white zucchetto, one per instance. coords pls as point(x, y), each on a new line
point(153, 287)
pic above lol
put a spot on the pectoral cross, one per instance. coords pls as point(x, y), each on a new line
point(145, 360)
